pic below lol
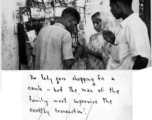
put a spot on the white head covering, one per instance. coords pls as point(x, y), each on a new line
point(107, 21)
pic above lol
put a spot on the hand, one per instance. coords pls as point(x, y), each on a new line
point(79, 50)
point(86, 51)
point(109, 36)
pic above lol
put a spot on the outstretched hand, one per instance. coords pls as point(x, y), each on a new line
point(86, 50)
point(109, 36)
point(79, 50)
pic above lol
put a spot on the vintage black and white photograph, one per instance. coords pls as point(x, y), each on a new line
point(76, 34)
point(75, 59)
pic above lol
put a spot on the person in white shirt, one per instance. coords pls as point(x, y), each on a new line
point(131, 46)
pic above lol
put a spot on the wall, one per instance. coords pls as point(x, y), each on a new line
point(135, 6)
point(10, 58)
point(89, 29)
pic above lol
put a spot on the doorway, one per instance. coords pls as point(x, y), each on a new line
point(145, 14)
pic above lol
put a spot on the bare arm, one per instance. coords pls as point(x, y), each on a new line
point(68, 63)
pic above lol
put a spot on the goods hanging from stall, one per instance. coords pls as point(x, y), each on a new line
point(35, 15)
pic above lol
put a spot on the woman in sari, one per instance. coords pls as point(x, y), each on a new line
point(98, 50)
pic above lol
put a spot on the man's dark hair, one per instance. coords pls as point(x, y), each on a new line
point(126, 2)
point(71, 11)
point(95, 14)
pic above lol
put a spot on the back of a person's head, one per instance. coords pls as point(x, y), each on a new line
point(126, 2)
point(71, 11)
point(95, 14)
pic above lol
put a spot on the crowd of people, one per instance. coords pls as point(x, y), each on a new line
point(126, 48)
